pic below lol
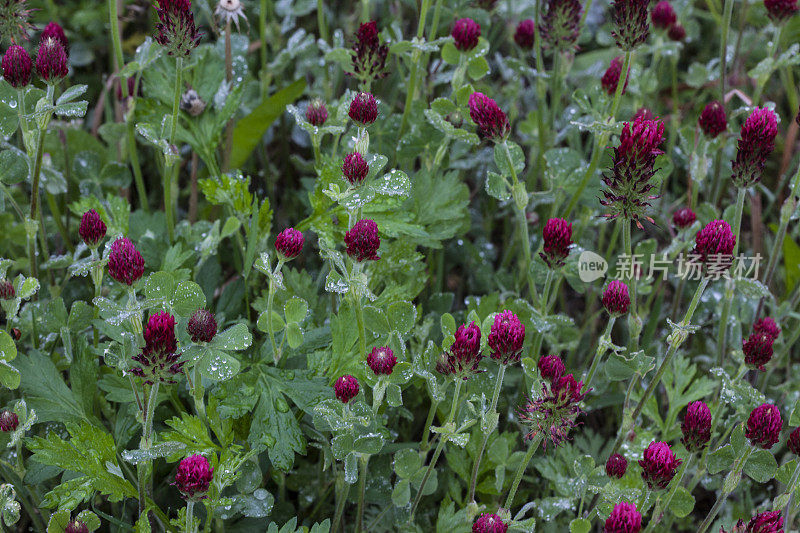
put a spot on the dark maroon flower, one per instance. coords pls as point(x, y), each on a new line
point(616, 466)
point(17, 66)
point(92, 228)
point(194, 477)
point(643, 112)
point(628, 186)
point(176, 28)
point(489, 523)
point(158, 360)
point(53, 30)
point(610, 79)
point(525, 34)
point(289, 243)
point(369, 58)
point(713, 120)
point(492, 123)
point(630, 21)
point(768, 522)
point(355, 168)
point(125, 263)
point(714, 244)
point(316, 112)
point(663, 16)
point(51, 61)
point(764, 426)
point(381, 360)
point(76, 526)
point(363, 241)
point(551, 367)
point(506, 337)
point(767, 326)
point(557, 236)
point(756, 143)
point(793, 442)
point(624, 519)
point(364, 109)
point(780, 10)
point(683, 217)
point(202, 326)
point(7, 291)
point(553, 413)
point(8, 421)
point(560, 25)
point(466, 33)
point(462, 358)
point(658, 465)
point(345, 388)
point(696, 427)
point(677, 33)
point(757, 350)
point(616, 299)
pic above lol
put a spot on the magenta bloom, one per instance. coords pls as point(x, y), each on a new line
point(767, 326)
point(658, 465)
point(490, 120)
point(51, 60)
point(363, 241)
point(616, 466)
point(676, 33)
point(364, 109)
point(355, 168)
point(54, 31)
point(17, 66)
point(780, 10)
point(489, 523)
point(551, 367)
point(616, 299)
point(92, 228)
point(316, 112)
point(793, 442)
point(630, 21)
point(369, 59)
point(76, 526)
point(764, 426)
point(7, 291)
point(8, 421)
point(663, 16)
point(560, 25)
point(756, 143)
point(768, 522)
point(553, 413)
point(525, 34)
point(381, 360)
point(202, 326)
point(176, 28)
point(158, 360)
point(466, 33)
point(289, 243)
point(125, 263)
point(506, 337)
point(345, 388)
point(624, 519)
point(683, 217)
point(757, 350)
point(610, 79)
point(714, 243)
point(194, 477)
point(462, 358)
point(713, 120)
point(696, 427)
point(557, 236)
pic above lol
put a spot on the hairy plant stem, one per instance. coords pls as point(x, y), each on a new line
point(541, 96)
point(538, 337)
point(415, 60)
point(773, 49)
point(428, 421)
point(660, 507)
point(145, 444)
point(723, 495)
point(520, 203)
point(602, 347)
point(270, 300)
point(170, 169)
point(727, 12)
point(33, 221)
point(342, 501)
point(226, 156)
point(791, 487)
point(523, 465)
point(189, 516)
point(322, 27)
point(487, 431)
point(787, 212)
point(722, 335)
point(362, 490)
point(634, 322)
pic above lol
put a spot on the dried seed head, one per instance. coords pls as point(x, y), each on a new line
point(92, 228)
point(355, 168)
point(230, 11)
point(202, 326)
point(525, 34)
point(506, 337)
point(756, 143)
point(630, 21)
point(345, 388)
point(17, 66)
point(616, 299)
point(557, 236)
point(616, 466)
point(466, 33)
point(696, 427)
point(125, 263)
point(658, 465)
point(194, 477)
point(624, 518)
point(192, 103)
point(490, 120)
point(764, 426)
point(363, 241)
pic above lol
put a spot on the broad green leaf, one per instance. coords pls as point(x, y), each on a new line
point(682, 503)
point(295, 309)
point(236, 337)
point(761, 466)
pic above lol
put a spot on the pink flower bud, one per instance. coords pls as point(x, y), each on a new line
point(17, 66)
point(7, 291)
point(316, 112)
point(551, 367)
point(676, 33)
point(658, 465)
point(715, 242)
point(92, 228)
point(768, 522)
point(683, 217)
point(713, 120)
point(630, 21)
point(780, 10)
point(51, 61)
point(696, 427)
point(767, 326)
point(355, 168)
point(8, 421)
point(53, 30)
point(663, 16)
point(125, 263)
point(345, 388)
point(489, 523)
point(158, 360)
point(194, 477)
point(525, 34)
point(491, 121)
point(764, 426)
point(381, 360)
point(176, 27)
point(289, 243)
point(757, 350)
point(506, 337)
point(756, 143)
point(202, 326)
point(369, 60)
point(464, 355)
point(610, 79)
point(616, 466)
point(466, 33)
point(363, 241)
point(557, 236)
point(560, 27)
point(793, 442)
point(364, 109)
point(624, 519)
point(616, 299)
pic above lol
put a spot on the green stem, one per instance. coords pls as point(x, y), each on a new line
point(532, 447)
point(762, 81)
point(362, 490)
point(270, 329)
point(634, 322)
point(141, 190)
point(487, 432)
point(791, 489)
point(787, 212)
point(601, 350)
point(541, 96)
point(722, 335)
point(723, 46)
point(597, 151)
point(428, 421)
point(337, 519)
point(56, 212)
point(190, 516)
point(723, 495)
point(662, 507)
point(623, 76)
point(34, 212)
point(362, 332)
point(262, 27)
point(412, 77)
point(173, 161)
point(145, 444)
point(520, 203)
point(543, 308)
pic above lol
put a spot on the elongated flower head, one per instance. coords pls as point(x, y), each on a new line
point(696, 427)
point(627, 192)
point(7, 291)
point(658, 465)
point(560, 25)
point(17, 66)
point(683, 217)
point(714, 244)
point(364, 109)
point(462, 358)
point(768, 522)
point(756, 143)
point(676, 33)
point(713, 119)
point(557, 237)
point(551, 367)
point(355, 168)
point(757, 350)
point(767, 326)
point(202, 326)
point(289, 243)
point(8, 421)
point(158, 361)
point(316, 112)
point(381, 360)
point(506, 337)
point(14, 21)
point(369, 58)
point(55, 31)
point(610, 79)
point(764, 426)
point(616, 298)
point(631, 27)
point(92, 228)
point(345, 388)
point(525, 34)
point(663, 16)
point(176, 28)
point(793, 442)
point(625, 518)
point(125, 263)
point(554, 412)
point(76, 526)
point(616, 466)
point(492, 123)
point(363, 241)
point(51, 60)
point(489, 523)
point(193, 477)
point(466, 33)
point(780, 10)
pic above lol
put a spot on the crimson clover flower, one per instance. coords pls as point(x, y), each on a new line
point(506, 337)
point(466, 33)
point(714, 244)
point(202, 326)
point(616, 299)
point(557, 237)
point(767, 326)
point(462, 358)
point(624, 518)
point(713, 120)
point(17, 66)
point(355, 168)
point(363, 241)
point(560, 25)
point(489, 523)
point(289, 243)
point(369, 58)
point(658, 465)
point(793, 442)
point(125, 263)
point(492, 123)
point(676, 32)
point(176, 28)
point(51, 60)
point(616, 466)
point(683, 217)
point(194, 477)
point(553, 413)
point(76, 526)
point(7, 291)
point(525, 33)
point(345, 388)
point(9, 421)
point(663, 16)
point(316, 112)
point(631, 27)
point(92, 229)
point(610, 79)
point(550, 367)
point(764, 426)
point(158, 361)
point(55, 31)
point(768, 522)
point(363, 109)
point(696, 427)
point(757, 350)
point(381, 360)
point(780, 10)
point(756, 143)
